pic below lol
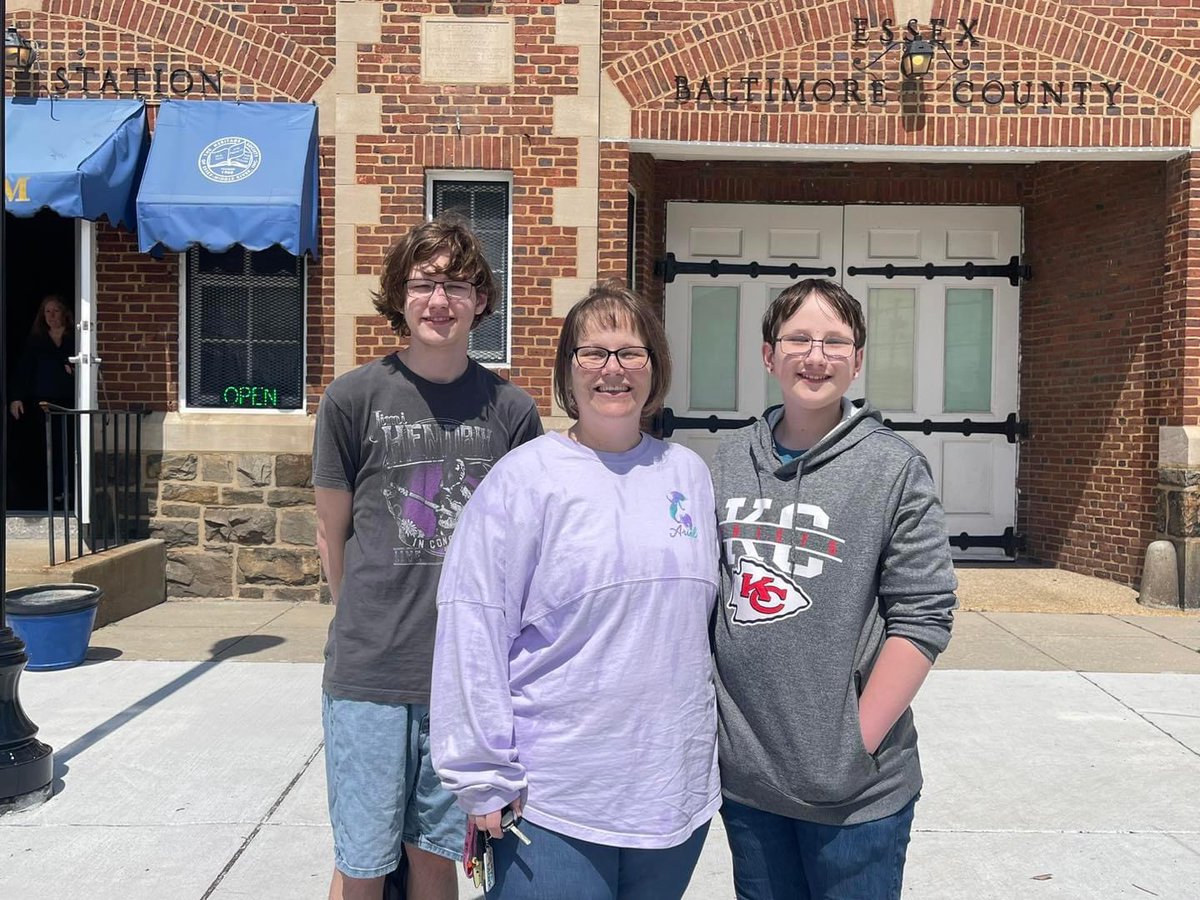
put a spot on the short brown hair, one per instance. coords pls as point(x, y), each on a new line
point(443, 234)
point(785, 305)
point(610, 304)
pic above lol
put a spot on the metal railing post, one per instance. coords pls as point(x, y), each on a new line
point(49, 444)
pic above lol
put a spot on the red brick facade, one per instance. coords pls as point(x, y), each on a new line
point(1093, 385)
point(263, 53)
point(1109, 324)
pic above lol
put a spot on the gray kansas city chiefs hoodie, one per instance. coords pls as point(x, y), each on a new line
point(822, 559)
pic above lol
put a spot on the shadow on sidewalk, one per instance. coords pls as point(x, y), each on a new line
point(222, 651)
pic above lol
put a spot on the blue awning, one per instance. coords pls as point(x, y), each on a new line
point(80, 158)
point(222, 173)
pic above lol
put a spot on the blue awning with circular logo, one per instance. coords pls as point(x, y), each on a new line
point(222, 173)
point(79, 158)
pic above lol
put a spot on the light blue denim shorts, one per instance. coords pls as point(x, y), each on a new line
point(383, 790)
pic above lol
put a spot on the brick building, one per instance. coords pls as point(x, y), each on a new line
point(1022, 224)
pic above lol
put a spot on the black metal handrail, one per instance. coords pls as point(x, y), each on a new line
point(114, 498)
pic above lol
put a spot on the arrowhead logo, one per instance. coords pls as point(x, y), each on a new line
point(761, 593)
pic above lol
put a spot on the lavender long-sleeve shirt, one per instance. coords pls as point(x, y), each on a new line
point(572, 662)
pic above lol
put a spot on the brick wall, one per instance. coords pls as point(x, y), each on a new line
point(470, 127)
point(1150, 51)
point(1092, 379)
point(137, 320)
point(1181, 290)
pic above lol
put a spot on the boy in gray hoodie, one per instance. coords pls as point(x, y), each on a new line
point(837, 595)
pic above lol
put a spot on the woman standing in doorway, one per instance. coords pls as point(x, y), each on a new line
point(45, 373)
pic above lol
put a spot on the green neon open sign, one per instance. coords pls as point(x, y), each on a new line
point(250, 395)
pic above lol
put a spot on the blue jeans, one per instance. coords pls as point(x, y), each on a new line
point(776, 857)
point(555, 866)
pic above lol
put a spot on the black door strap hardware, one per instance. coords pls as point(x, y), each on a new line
point(668, 267)
point(666, 423)
point(1014, 271)
point(1010, 542)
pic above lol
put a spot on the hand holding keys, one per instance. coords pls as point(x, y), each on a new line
point(508, 822)
point(477, 850)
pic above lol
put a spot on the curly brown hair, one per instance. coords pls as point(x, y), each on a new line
point(443, 234)
point(610, 304)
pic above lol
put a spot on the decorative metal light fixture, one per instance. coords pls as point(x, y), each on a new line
point(917, 58)
point(19, 54)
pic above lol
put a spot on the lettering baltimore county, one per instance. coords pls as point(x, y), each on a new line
point(867, 86)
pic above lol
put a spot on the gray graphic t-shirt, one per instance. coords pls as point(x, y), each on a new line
point(412, 451)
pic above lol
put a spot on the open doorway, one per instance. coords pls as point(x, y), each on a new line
point(40, 257)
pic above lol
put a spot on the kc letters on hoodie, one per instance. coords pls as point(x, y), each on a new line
point(822, 559)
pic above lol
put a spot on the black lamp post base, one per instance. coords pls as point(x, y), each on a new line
point(26, 764)
point(32, 798)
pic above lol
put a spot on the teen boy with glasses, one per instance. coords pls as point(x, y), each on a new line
point(837, 595)
point(400, 445)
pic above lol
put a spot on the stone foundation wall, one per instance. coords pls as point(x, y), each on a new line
point(1178, 520)
point(236, 525)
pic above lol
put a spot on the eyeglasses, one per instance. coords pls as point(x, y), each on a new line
point(423, 288)
point(803, 344)
point(597, 357)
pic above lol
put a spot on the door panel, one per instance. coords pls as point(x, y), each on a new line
point(87, 363)
point(962, 351)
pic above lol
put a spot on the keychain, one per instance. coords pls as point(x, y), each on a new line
point(472, 867)
point(478, 863)
point(488, 874)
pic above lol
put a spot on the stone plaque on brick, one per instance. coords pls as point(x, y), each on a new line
point(458, 51)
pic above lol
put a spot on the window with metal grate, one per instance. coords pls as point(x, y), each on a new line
point(244, 329)
point(484, 204)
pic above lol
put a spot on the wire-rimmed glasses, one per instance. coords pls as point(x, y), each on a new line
point(423, 289)
point(803, 344)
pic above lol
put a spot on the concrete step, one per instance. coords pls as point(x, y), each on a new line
point(27, 558)
point(133, 577)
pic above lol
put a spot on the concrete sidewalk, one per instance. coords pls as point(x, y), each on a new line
point(1062, 759)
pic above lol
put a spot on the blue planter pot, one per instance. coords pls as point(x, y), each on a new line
point(55, 622)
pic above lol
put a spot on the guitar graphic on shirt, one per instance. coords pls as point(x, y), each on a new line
point(447, 513)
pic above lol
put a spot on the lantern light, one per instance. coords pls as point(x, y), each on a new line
point(19, 54)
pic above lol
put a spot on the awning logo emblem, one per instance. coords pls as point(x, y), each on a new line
point(229, 159)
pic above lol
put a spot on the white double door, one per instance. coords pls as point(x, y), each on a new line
point(942, 350)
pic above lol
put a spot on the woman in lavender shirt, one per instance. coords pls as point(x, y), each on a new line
point(571, 674)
